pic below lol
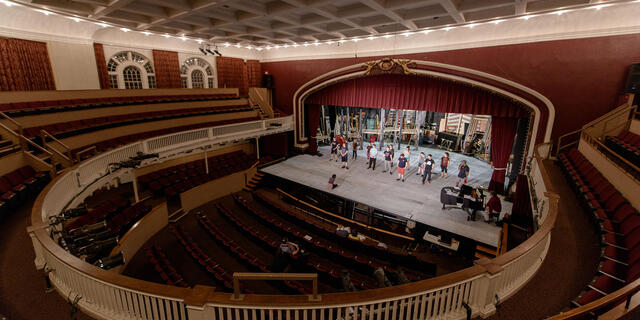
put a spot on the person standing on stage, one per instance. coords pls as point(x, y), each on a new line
point(463, 173)
point(444, 164)
point(402, 163)
point(387, 160)
point(427, 169)
point(344, 153)
point(393, 154)
point(368, 153)
point(334, 149)
point(354, 145)
point(421, 159)
point(407, 155)
point(372, 154)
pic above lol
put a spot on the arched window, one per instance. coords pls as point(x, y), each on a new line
point(204, 78)
point(130, 70)
point(197, 79)
point(132, 78)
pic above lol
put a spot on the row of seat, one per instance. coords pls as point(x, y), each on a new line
point(370, 248)
point(204, 260)
point(71, 128)
point(104, 210)
point(626, 144)
point(177, 179)
point(17, 185)
point(38, 107)
point(164, 268)
point(324, 247)
point(105, 145)
point(325, 267)
point(120, 222)
point(618, 221)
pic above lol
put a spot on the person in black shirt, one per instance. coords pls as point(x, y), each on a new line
point(463, 173)
point(344, 153)
point(428, 167)
point(355, 149)
point(334, 150)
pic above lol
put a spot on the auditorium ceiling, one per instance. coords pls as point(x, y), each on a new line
point(281, 22)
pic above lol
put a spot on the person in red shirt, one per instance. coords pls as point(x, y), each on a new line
point(494, 207)
point(444, 164)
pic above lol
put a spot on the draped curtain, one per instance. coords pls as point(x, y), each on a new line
point(167, 69)
point(232, 74)
point(521, 211)
point(101, 63)
point(25, 66)
point(313, 122)
point(503, 132)
point(414, 92)
point(254, 73)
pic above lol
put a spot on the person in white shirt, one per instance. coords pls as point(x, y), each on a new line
point(372, 157)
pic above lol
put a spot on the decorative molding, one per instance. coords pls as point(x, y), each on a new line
point(388, 66)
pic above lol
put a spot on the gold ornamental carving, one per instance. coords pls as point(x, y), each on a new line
point(388, 65)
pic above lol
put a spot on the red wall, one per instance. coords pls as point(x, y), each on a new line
point(583, 78)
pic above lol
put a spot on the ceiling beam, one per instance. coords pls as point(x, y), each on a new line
point(111, 7)
point(376, 5)
point(452, 10)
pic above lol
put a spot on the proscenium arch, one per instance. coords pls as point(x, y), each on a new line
point(536, 102)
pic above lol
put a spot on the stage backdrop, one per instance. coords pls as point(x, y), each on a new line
point(415, 92)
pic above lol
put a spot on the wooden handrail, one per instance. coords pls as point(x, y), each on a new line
point(625, 292)
point(14, 122)
point(345, 219)
point(47, 134)
point(37, 146)
point(622, 108)
point(81, 152)
point(313, 277)
point(598, 144)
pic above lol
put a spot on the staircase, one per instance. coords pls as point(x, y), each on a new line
point(483, 251)
point(7, 146)
point(254, 182)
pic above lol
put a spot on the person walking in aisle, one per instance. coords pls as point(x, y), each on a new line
point(387, 160)
point(354, 145)
point(344, 153)
point(444, 164)
point(463, 173)
point(372, 160)
point(334, 149)
point(421, 159)
point(402, 163)
point(427, 169)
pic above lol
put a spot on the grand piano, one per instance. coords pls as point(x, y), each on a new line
point(466, 198)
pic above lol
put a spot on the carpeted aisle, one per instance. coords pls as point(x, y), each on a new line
point(571, 262)
point(22, 287)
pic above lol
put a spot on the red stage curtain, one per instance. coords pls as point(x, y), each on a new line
point(232, 74)
point(415, 92)
point(167, 68)
point(521, 211)
point(103, 74)
point(313, 121)
point(25, 66)
point(254, 73)
point(503, 132)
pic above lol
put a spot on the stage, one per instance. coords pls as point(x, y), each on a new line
point(409, 199)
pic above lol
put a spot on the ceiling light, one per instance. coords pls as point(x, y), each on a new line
point(146, 33)
point(342, 41)
point(183, 38)
point(560, 12)
point(406, 34)
point(124, 30)
point(199, 41)
point(426, 31)
point(295, 45)
point(306, 44)
point(237, 45)
point(316, 43)
point(259, 49)
point(600, 6)
point(330, 42)
point(387, 36)
point(7, 3)
point(75, 19)
point(45, 12)
point(104, 25)
point(471, 26)
point(226, 44)
point(371, 37)
point(356, 39)
point(166, 35)
point(526, 17)
point(249, 47)
point(447, 28)
point(286, 46)
point(268, 47)
point(277, 47)
point(497, 21)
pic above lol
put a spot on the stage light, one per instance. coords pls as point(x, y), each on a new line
point(146, 33)
point(166, 35)
point(124, 30)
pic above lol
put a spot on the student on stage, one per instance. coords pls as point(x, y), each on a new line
point(344, 153)
point(444, 164)
point(334, 150)
point(373, 153)
point(368, 152)
point(428, 168)
point(387, 160)
point(402, 163)
point(393, 154)
point(354, 145)
point(421, 159)
point(407, 155)
point(463, 173)
point(332, 182)
point(494, 207)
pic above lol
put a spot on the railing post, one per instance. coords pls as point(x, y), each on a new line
point(196, 301)
point(487, 288)
point(39, 261)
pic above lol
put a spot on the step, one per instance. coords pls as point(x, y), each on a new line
point(5, 143)
point(260, 174)
point(247, 189)
point(480, 255)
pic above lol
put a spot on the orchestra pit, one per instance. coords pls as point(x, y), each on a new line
point(320, 159)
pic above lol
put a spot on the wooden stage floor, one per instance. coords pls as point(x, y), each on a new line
point(409, 199)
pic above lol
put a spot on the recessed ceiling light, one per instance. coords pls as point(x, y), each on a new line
point(146, 33)
point(7, 3)
point(471, 26)
point(560, 12)
point(199, 41)
point(45, 12)
point(226, 44)
point(125, 29)
point(426, 31)
point(295, 45)
point(387, 36)
point(406, 34)
point(330, 42)
point(166, 36)
point(371, 37)
point(183, 38)
point(104, 25)
point(497, 21)
point(447, 28)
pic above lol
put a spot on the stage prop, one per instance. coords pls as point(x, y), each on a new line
point(462, 198)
